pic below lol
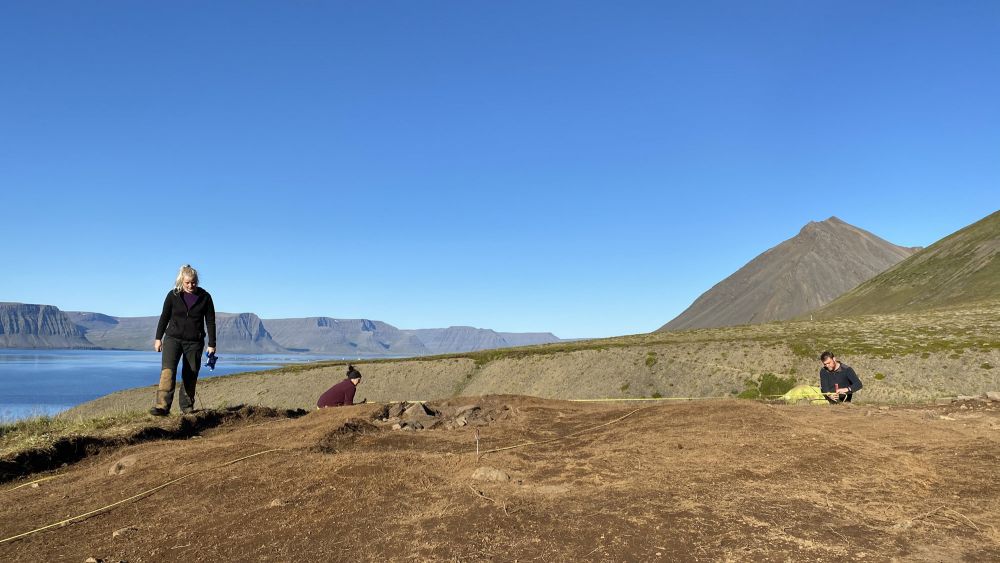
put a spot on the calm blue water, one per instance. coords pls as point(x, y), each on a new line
point(45, 382)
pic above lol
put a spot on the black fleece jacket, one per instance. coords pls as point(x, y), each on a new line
point(182, 323)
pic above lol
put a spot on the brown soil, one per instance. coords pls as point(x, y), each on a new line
point(703, 481)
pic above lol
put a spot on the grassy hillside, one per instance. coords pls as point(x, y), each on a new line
point(962, 268)
point(900, 358)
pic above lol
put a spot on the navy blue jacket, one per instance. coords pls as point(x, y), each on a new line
point(843, 377)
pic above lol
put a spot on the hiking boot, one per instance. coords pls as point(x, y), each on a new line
point(157, 411)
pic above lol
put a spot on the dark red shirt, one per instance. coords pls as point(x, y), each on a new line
point(339, 395)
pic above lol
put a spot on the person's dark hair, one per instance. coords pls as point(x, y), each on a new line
point(352, 372)
point(825, 355)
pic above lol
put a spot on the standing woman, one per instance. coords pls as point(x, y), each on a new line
point(187, 311)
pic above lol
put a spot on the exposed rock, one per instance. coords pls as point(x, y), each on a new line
point(418, 411)
point(467, 409)
point(486, 473)
point(276, 503)
point(120, 466)
point(25, 325)
point(124, 532)
point(993, 395)
point(395, 410)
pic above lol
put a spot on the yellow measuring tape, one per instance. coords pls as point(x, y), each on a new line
point(31, 483)
point(133, 497)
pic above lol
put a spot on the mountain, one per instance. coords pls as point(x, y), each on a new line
point(118, 333)
point(24, 325)
point(44, 326)
point(528, 338)
point(242, 333)
point(349, 337)
point(799, 275)
point(960, 269)
point(468, 339)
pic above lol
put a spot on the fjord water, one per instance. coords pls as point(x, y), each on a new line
point(46, 382)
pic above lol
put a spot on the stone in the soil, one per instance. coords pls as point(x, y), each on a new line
point(397, 426)
point(467, 409)
point(461, 421)
point(993, 395)
point(417, 411)
point(120, 466)
point(276, 503)
point(396, 410)
point(124, 532)
point(486, 473)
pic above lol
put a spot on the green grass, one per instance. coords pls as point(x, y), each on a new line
point(42, 431)
point(767, 385)
point(650, 359)
point(958, 270)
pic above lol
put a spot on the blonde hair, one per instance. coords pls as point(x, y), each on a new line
point(186, 271)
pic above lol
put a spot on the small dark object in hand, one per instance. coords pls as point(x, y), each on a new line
point(212, 358)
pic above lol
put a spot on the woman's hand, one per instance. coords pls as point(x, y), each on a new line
point(211, 350)
point(158, 345)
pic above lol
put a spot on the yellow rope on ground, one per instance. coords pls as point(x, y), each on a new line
point(31, 483)
point(619, 419)
point(650, 399)
point(133, 497)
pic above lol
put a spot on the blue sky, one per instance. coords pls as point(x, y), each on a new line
point(584, 168)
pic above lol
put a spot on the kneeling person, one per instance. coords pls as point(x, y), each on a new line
point(837, 380)
point(342, 393)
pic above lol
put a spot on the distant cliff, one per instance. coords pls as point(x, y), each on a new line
point(362, 337)
point(117, 333)
point(346, 337)
point(24, 325)
point(246, 333)
point(242, 333)
point(469, 339)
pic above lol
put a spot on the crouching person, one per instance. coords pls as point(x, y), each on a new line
point(837, 380)
point(342, 393)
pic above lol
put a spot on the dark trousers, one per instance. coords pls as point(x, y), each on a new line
point(189, 354)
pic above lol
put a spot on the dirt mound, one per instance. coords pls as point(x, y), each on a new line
point(714, 480)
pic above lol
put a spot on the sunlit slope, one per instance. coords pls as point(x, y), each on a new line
point(960, 269)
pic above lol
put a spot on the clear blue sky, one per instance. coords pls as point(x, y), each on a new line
point(584, 168)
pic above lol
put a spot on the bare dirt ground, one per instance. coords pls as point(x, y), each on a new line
point(721, 480)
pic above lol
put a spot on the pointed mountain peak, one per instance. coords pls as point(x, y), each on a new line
point(825, 260)
point(833, 223)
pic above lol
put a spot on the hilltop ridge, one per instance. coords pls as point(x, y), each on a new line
point(807, 271)
point(960, 269)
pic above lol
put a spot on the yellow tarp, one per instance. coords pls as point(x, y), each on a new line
point(804, 393)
